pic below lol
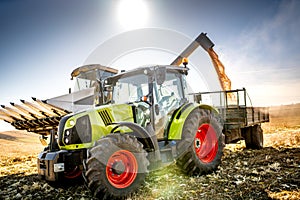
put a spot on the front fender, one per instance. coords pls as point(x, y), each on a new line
point(148, 139)
point(175, 130)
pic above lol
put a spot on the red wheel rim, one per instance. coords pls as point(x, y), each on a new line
point(76, 172)
point(121, 169)
point(206, 143)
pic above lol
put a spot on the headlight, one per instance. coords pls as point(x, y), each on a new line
point(72, 122)
point(68, 136)
point(67, 132)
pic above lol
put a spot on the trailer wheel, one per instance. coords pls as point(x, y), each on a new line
point(116, 166)
point(201, 147)
point(257, 137)
point(254, 138)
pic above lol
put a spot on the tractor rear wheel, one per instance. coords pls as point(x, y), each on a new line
point(201, 147)
point(116, 166)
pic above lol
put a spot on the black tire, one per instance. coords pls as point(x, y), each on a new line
point(254, 138)
point(73, 174)
point(257, 137)
point(246, 133)
point(197, 155)
point(109, 166)
point(73, 166)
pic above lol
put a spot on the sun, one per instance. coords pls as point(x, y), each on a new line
point(132, 13)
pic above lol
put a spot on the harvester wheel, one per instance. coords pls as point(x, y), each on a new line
point(201, 147)
point(75, 173)
point(116, 166)
point(254, 138)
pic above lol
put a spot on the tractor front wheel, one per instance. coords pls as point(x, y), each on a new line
point(201, 147)
point(116, 166)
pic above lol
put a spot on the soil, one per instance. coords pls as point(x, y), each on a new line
point(270, 173)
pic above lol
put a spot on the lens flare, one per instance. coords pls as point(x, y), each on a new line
point(132, 13)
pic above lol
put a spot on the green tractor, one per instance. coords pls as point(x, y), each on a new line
point(145, 120)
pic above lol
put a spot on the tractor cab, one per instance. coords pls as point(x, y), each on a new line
point(155, 92)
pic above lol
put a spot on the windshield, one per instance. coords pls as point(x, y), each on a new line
point(130, 89)
point(89, 79)
point(85, 80)
point(171, 87)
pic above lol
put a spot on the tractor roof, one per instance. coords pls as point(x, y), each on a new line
point(86, 68)
point(150, 69)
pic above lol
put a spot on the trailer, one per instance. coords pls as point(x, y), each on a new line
point(241, 121)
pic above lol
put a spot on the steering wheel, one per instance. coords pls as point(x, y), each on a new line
point(167, 102)
point(143, 99)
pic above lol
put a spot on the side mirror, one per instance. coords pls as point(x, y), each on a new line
point(156, 109)
point(108, 88)
point(197, 97)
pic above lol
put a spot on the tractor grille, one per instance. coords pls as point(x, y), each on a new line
point(106, 117)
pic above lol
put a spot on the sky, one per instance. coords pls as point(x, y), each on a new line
point(41, 42)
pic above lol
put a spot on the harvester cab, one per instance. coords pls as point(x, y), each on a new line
point(92, 76)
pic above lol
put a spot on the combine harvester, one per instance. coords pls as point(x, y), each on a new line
point(128, 123)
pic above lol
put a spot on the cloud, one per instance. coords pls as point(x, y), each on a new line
point(266, 56)
point(275, 40)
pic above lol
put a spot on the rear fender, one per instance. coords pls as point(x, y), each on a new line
point(179, 118)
